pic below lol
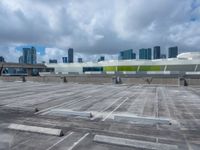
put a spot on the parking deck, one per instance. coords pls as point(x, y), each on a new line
point(18, 102)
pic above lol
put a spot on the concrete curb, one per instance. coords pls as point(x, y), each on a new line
point(133, 143)
point(36, 129)
point(141, 120)
point(28, 109)
point(65, 112)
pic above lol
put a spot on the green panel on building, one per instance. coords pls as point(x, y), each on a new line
point(109, 68)
point(127, 68)
point(150, 68)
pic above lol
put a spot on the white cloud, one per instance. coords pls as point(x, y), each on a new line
point(188, 34)
point(99, 27)
point(10, 54)
point(53, 53)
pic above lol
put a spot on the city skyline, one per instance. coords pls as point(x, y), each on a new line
point(121, 55)
point(105, 28)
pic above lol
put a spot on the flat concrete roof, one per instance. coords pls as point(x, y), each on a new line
point(180, 105)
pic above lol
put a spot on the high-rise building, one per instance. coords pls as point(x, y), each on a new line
point(2, 59)
point(70, 55)
point(127, 54)
point(80, 60)
point(64, 60)
point(29, 55)
point(156, 52)
point(53, 61)
point(173, 52)
point(102, 58)
point(145, 53)
point(21, 60)
point(134, 55)
point(142, 53)
point(149, 53)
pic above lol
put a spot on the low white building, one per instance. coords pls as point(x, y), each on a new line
point(183, 63)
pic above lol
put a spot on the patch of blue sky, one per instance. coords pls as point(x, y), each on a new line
point(39, 48)
point(195, 4)
point(193, 19)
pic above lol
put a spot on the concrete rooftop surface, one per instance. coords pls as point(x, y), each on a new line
point(72, 116)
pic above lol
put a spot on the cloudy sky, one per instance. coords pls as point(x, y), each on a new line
point(97, 27)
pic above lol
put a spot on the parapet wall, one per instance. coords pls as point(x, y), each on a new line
point(149, 80)
point(193, 81)
point(105, 79)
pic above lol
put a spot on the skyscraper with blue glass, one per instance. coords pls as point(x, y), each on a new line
point(173, 52)
point(64, 59)
point(156, 52)
point(127, 54)
point(70, 55)
point(102, 58)
point(145, 53)
point(80, 60)
point(29, 55)
point(2, 59)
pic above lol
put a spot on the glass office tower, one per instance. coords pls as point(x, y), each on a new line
point(102, 58)
point(29, 55)
point(80, 60)
point(145, 53)
point(64, 59)
point(156, 52)
point(127, 54)
point(173, 52)
point(70, 55)
point(2, 59)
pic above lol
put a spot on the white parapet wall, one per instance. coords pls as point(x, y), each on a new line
point(159, 72)
point(95, 72)
point(129, 72)
point(193, 73)
point(110, 72)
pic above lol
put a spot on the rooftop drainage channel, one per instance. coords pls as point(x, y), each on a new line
point(65, 112)
point(133, 143)
point(36, 129)
point(141, 120)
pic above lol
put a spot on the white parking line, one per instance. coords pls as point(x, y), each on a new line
point(59, 141)
point(96, 115)
point(187, 143)
point(22, 143)
point(115, 109)
point(76, 143)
